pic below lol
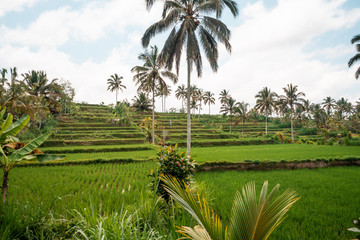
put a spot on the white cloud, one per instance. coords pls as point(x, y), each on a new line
point(89, 24)
point(269, 49)
point(15, 5)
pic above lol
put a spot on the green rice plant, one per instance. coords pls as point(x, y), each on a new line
point(249, 219)
point(328, 199)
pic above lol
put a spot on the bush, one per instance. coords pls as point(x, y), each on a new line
point(173, 163)
point(331, 141)
point(308, 131)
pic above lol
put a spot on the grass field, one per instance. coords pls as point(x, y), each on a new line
point(275, 152)
point(329, 198)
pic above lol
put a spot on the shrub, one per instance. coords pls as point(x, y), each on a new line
point(308, 131)
point(331, 141)
point(172, 163)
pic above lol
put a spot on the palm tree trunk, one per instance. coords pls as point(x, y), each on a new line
point(116, 97)
point(243, 122)
point(153, 115)
point(266, 117)
point(4, 187)
point(209, 108)
point(292, 129)
point(230, 122)
point(188, 139)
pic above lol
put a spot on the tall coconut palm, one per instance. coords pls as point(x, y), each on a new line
point(151, 76)
point(357, 56)
point(190, 22)
point(17, 102)
point(199, 97)
point(209, 99)
point(115, 84)
point(228, 108)
point(141, 103)
point(3, 80)
point(180, 93)
point(292, 98)
point(328, 104)
point(343, 106)
point(163, 92)
point(242, 110)
point(266, 103)
point(224, 95)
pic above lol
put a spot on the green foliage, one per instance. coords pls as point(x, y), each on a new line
point(307, 131)
point(122, 114)
point(332, 209)
point(172, 163)
point(146, 127)
point(249, 219)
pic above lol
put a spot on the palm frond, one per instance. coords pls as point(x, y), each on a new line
point(354, 59)
point(219, 30)
point(196, 205)
point(210, 46)
point(356, 38)
point(193, 53)
point(252, 220)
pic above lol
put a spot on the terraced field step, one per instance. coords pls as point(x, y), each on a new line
point(82, 124)
point(98, 135)
point(183, 130)
point(96, 128)
point(223, 142)
point(98, 148)
point(183, 136)
point(89, 142)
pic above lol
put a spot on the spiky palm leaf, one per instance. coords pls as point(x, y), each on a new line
point(250, 219)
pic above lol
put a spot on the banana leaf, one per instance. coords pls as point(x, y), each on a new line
point(28, 147)
point(7, 123)
point(15, 128)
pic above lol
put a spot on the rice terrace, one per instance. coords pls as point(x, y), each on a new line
point(178, 119)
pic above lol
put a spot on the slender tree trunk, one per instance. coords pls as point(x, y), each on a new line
point(243, 122)
point(266, 117)
point(153, 115)
point(162, 103)
point(209, 108)
point(117, 91)
point(292, 128)
point(230, 122)
point(188, 139)
point(4, 187)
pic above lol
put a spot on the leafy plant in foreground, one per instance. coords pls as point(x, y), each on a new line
point(249, 219)
point(172, 163)
point(12, 151)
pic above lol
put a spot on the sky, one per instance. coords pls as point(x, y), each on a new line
point(274, 43)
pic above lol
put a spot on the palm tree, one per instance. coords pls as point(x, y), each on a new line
point(357, 56)
point(328, 103)
point(343, 106)
point(190, 22)
point(209, 99)
point(115, 84)
point(199, 97)
point(163, 92)
point(3, 80)
point(180, 93)
point(251, 217)
point(17, 102)
point(150, 76)
point(141, 103)
point(224, 95)
point(228, 108)
point(242, 110)
point(266, 103)
point(292, 98)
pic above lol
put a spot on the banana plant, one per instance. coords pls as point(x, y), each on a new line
point(13, 151)
point(250, 220)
